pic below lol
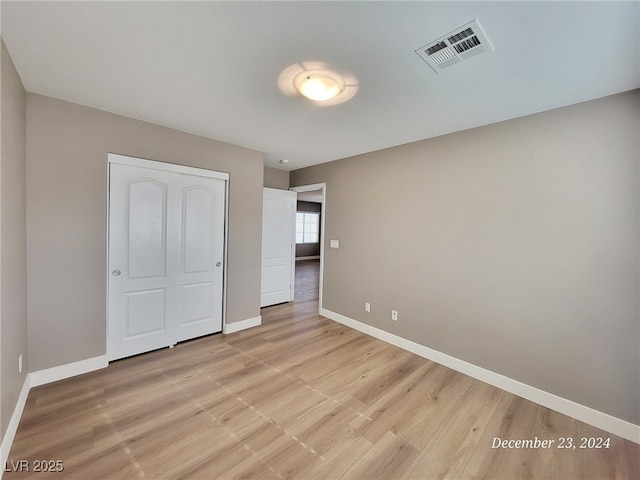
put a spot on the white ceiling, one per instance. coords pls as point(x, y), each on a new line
point(212, 68)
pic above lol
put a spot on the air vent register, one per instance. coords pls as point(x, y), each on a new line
point(455, 47)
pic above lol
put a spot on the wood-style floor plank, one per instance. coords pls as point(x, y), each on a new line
point(299, 397)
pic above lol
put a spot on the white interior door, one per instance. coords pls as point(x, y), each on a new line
point(166, 252)
point(278, 246)
point(202, 254)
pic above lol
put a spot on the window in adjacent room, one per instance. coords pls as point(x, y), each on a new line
point(307, 227)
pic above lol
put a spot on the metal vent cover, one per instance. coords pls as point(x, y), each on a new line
point(455, 47)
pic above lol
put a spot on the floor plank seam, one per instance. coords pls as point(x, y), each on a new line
point(261, 414)
point(118, 436)
point(212, 417)
point(304, 384)
point(215, 419)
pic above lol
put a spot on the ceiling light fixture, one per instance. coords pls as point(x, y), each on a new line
point(318, 85)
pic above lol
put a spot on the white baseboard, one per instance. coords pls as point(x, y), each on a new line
point(48, 375)
point(585, 414)
point(12, 428)
point(312, 257)
point(242, 325)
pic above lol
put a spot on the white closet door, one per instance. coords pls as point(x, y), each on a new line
point(278, 246)
point(166, 252)
point(143, 234)
point(201, 256)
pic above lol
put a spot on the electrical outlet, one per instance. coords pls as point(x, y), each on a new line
point(394, 315)
point(20, 363)
point(367, 307)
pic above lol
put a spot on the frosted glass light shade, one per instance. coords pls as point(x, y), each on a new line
point(318, 86)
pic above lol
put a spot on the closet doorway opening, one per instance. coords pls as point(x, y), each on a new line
point(166, 254)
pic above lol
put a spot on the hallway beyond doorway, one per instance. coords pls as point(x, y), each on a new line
point(307, 280)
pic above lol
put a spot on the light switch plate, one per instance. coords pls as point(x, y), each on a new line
point(335, 243)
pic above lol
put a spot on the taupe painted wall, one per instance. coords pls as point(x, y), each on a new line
point(67, 147)
point(13, 261)
point(512, 246)
point(274, 178)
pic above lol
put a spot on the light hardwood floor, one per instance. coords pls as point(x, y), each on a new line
point(298, 397)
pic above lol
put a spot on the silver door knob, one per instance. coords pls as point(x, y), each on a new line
point(116, 273)
point(218, 264)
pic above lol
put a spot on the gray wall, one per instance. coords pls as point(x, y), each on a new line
point(13, 261)
point(512, 246)
point(274, 178)
point(67, 148)
point(308, 249)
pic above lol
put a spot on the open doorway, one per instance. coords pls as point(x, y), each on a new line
point(309, 243)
